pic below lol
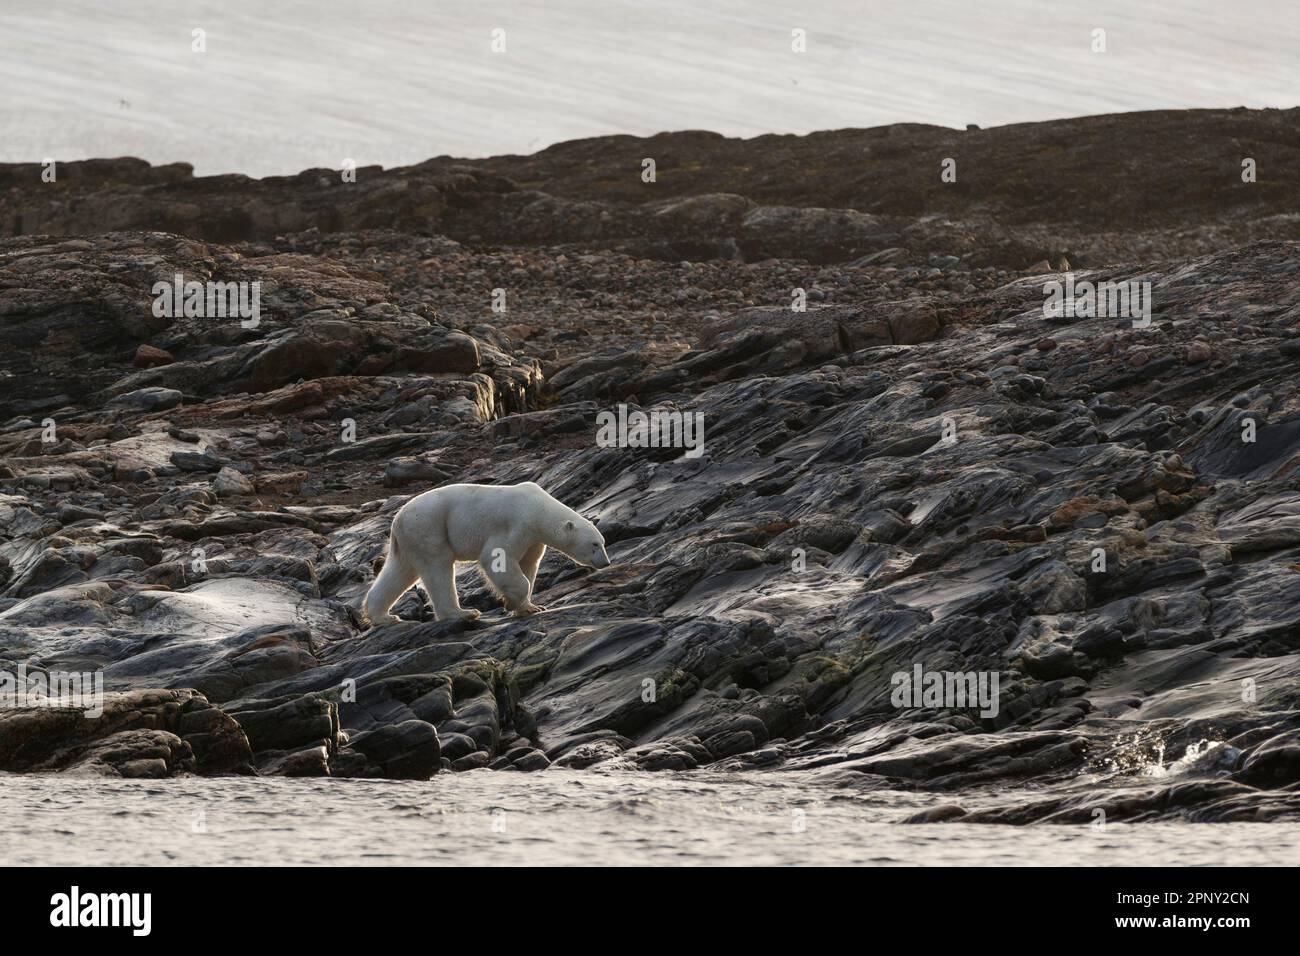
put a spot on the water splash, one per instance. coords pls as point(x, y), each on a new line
point(1144, 756)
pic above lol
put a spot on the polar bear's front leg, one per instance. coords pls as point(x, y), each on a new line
point(511, 583)
point(528, 564)
point(440, 581)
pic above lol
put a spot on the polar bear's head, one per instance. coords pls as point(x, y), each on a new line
point(584, 543)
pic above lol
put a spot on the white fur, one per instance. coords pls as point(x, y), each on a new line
point(505, 528)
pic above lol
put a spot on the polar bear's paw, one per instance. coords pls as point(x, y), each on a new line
point(464, 614)
point(379, 620)
point(526, 609)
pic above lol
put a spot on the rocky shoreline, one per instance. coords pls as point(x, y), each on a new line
point(919, 469)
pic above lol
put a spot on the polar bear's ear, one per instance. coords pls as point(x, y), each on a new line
point(569, 525)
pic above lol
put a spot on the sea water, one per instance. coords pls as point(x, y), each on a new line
point(562, 817)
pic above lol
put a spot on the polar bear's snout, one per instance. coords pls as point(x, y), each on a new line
point(584, 543)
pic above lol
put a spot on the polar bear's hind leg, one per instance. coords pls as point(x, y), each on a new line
point(439, 579)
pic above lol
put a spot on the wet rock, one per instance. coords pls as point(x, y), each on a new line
point(143, 733)
point(454, 746)
point(149, 754)
point(472, 761)
point(405, 751)
point(217, 740)
point(311, 761)
point(831, 535)
point(279, 726)
point(589, 754)
point(939, 814)
point(529, 760)
point(1274, 763)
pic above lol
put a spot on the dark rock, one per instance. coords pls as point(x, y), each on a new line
point(149, 399)
point(405, 751)
point(1274, 763)
point(472, 761)
point(281, 726)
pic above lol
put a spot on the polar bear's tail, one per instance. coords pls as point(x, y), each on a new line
point(393, 580)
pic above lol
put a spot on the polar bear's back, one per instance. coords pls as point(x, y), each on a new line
point(463, 518)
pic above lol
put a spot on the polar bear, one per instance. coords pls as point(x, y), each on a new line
point(505, 528)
